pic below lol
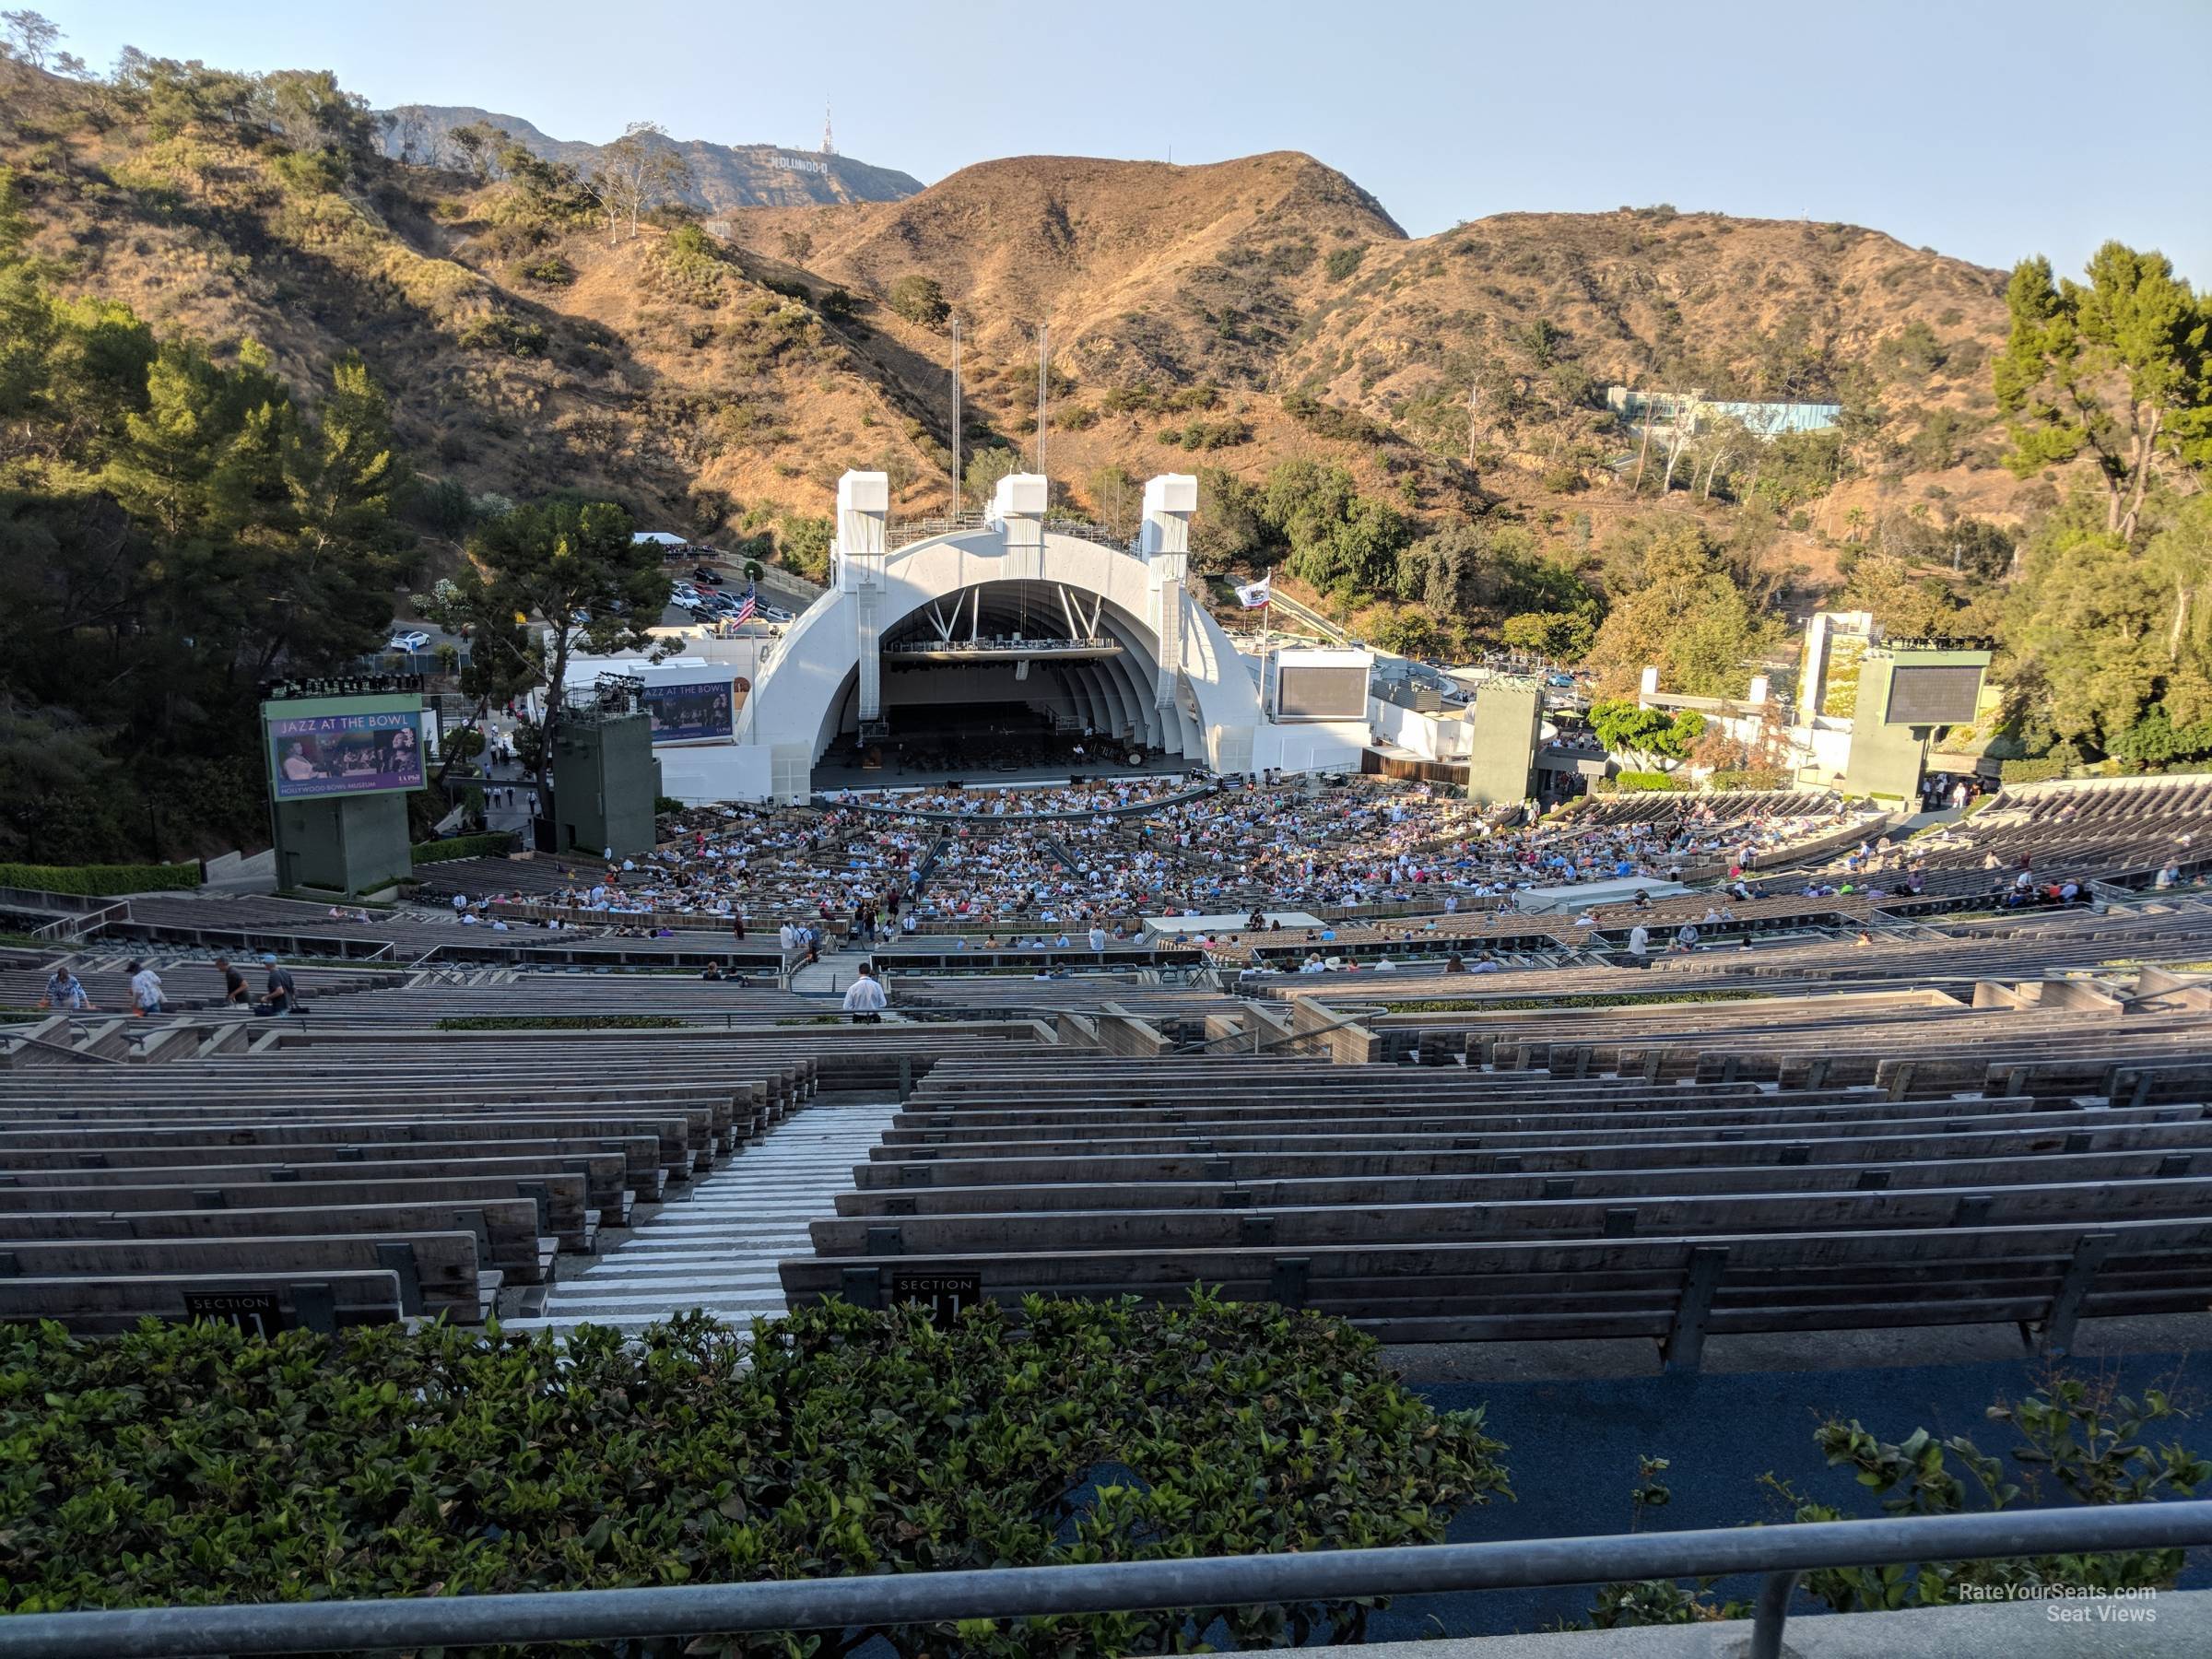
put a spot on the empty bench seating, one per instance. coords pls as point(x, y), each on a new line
point(1461, 1204)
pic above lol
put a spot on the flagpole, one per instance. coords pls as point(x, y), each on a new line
point(1266, 621)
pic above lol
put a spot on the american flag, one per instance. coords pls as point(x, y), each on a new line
point(746, 606)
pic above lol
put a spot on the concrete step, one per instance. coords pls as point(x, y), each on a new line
point(718, 1248)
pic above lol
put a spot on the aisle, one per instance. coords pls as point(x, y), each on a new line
point(718, 1250)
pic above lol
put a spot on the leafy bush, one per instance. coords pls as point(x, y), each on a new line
point(1564, 636)
point(1585, 999)
point(191, 1464)
point(560, 1022)
point(1342, 262)
point(499, 331)
point(1645, 783)
point(2033, 772)
point(806, 545)
point(101, 881)
point(490, 845)
point(1329, 421)
point(920, 300)
point(310, 172)
point(1206, 434)
point(2080, 1441)
point(552, 271)
point(1630, 729)
point(1143, 398)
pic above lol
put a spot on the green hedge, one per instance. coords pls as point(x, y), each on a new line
point(1652, 782)
point(560, 1022)
point(1757, 776)
point(2031, 771)
point(465, 846)
point(191, 1464)
point(1585, 999)
point(101, 881)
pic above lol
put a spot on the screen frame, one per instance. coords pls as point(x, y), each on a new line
point(728, 686)
point(1890, 716)
point(341, 709)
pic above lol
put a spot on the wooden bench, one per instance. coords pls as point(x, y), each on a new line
point(91, 1306)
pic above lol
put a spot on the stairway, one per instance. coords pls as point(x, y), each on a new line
point(718, 1249)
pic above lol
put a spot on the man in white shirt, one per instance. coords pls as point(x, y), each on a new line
point(1639, 943)
point(865, 999)
point(1097, 936)
point(145, 989)
point(786, 937)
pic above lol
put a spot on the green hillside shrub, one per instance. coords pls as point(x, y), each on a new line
point(101, 881)
point(560, 1022)
point(192, 1464)
point(491, 844)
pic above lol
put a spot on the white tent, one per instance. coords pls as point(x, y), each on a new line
point(660, 538)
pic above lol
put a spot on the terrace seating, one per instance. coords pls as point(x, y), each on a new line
point(1984, 1119)
point(1466, 1203)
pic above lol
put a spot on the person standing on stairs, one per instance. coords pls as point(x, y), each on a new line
point(865, 999)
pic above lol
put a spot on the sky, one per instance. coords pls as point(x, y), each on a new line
point(1986, 129)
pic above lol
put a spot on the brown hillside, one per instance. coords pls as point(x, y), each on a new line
point(1231, 316)
point(1138, 266)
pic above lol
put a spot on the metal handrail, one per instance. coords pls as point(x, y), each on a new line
point(907, 1598)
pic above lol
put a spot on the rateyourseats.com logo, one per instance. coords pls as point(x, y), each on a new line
point(2074, 1603)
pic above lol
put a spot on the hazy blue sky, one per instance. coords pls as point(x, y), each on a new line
point(1988, 129)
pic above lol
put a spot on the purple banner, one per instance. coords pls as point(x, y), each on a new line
point(345, 753)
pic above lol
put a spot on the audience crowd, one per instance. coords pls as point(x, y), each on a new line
point(1066, 856)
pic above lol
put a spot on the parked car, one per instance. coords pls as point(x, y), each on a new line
point(683, 593)
point(411, 641)
point(706, 573)
point(771, 613)
point(1559, 682)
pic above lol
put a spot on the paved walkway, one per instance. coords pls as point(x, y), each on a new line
point(718, 1249)
point(831, 976)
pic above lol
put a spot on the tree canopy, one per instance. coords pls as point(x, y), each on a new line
point(2115, 370)
point(574, 565)
point(174, 527)
point(1682, 604)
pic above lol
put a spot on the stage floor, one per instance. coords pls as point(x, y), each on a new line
point(891, 777)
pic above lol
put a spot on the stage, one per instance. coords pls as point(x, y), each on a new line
point(887, 776)
point(1583, 895)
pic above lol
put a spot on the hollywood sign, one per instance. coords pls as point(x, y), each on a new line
point(798, 164)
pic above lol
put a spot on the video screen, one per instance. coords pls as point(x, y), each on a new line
point(1934, 695)
point(692, 710)
point(1321, 693)
point(345, 753)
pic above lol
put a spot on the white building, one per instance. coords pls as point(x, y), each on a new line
point(1016, 620)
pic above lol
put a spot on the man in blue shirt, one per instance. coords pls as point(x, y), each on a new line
point(66, 993)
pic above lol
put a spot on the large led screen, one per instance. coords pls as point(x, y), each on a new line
point(1933, 695)
point(690, 711)
point(360, 752)
point(1321, 693)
